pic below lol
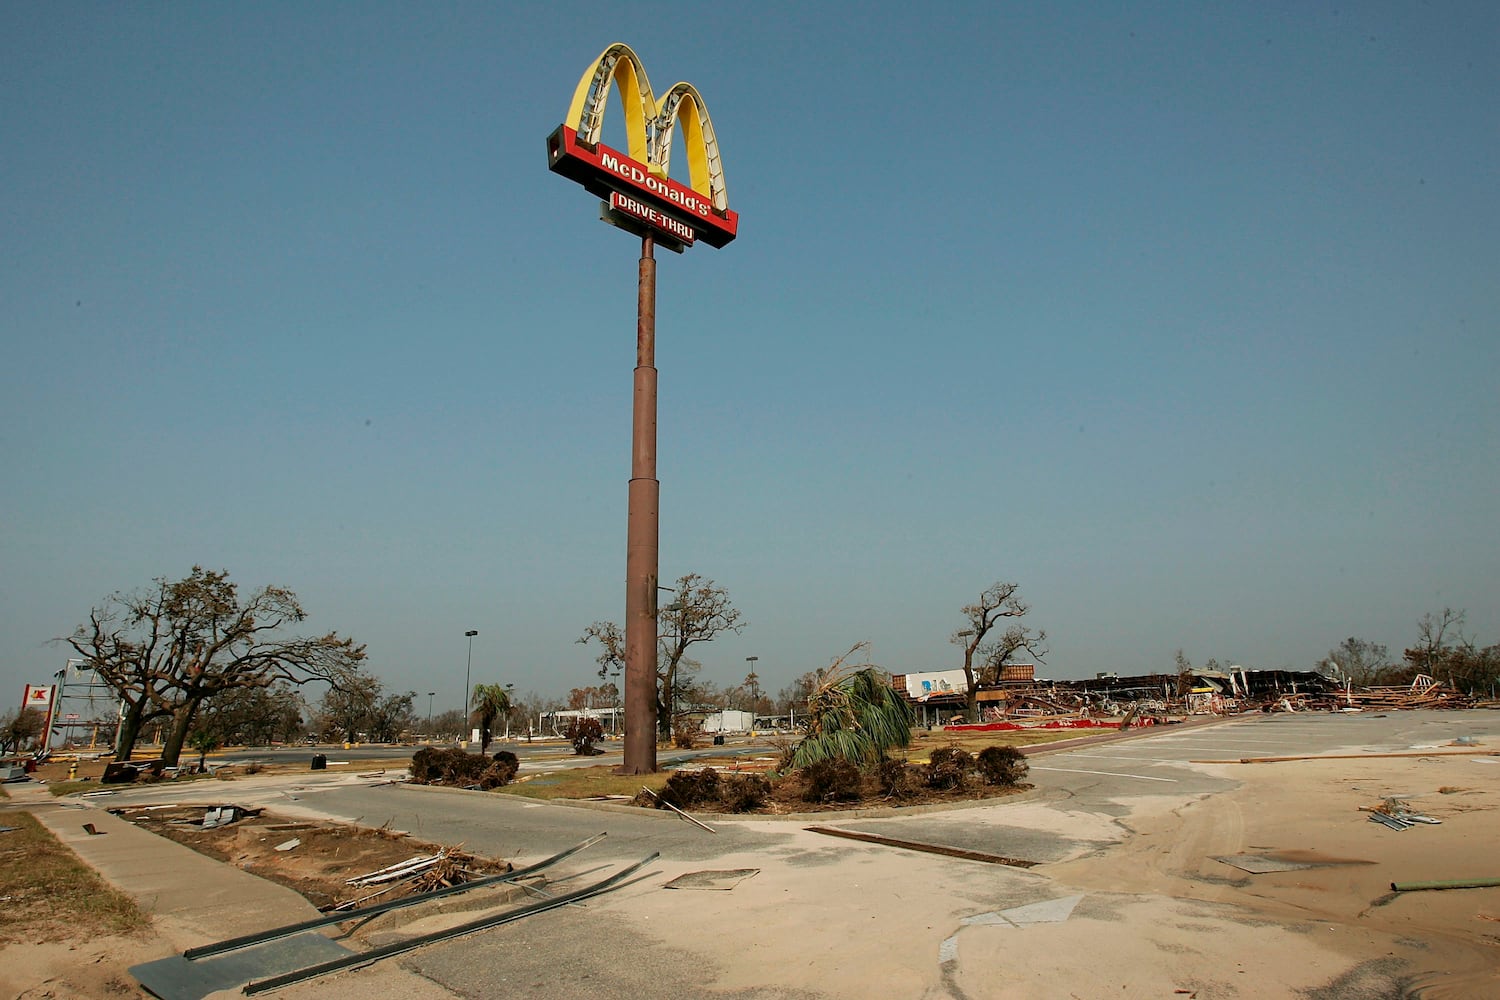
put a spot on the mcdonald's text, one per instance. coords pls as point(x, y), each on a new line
point(602, 171)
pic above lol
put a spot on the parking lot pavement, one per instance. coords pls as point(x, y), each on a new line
point(1127, 898)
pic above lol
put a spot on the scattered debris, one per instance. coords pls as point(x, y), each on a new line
point(1397, 814)
point(679, 812)
point(449, 871)
point(403, 869)
point(727, 879)
point(220, 816)
point(290, 844)
point(88, 828)
point(1343, 756)
point(8, 829)
point(162, 973)
point(1464, 883)
point(911, 845)
point(1260, 864)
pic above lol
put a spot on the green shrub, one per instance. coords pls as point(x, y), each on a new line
point(1003, 766)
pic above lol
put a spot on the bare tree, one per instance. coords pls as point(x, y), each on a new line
point(793, 697)
point(360, 708)
point(1363, 662)
point(167, 649)
point(254, 716)
point(700, 611)
point(25, 725)
point(999, 602)
point(1437, 636)
point(611, 640)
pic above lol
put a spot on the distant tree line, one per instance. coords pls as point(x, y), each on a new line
point(1442, 651)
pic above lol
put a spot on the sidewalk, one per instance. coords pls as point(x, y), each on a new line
point(191, 898)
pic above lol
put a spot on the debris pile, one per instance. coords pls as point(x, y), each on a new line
point(1422, 692)
point(424, 873)
point(1397, 814)
point(1155, 698)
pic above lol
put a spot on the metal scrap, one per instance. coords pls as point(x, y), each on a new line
point(712, 879)
point(912, 845)
point(1398, 815)
point(399, 870)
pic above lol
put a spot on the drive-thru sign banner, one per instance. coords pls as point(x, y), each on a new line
point(685, 213)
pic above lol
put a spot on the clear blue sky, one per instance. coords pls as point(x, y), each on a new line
point(1183, 316)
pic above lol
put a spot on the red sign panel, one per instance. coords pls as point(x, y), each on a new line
point(602, 170)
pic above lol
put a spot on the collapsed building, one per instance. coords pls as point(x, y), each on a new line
point(940, 697)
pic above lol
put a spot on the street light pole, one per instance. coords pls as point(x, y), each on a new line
point(753, 682)
point(429, 715)
point(616, 719)
point(468, 666)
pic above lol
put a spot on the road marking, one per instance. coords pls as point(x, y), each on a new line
point(1174, 738)
point(1149, 760)
point(1112, 774)
point(1216, 749)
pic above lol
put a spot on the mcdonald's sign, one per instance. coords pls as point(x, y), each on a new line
point(698, 210)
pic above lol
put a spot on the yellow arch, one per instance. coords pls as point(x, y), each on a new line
point(586, 114)
point(649, 123)
point(684, 104)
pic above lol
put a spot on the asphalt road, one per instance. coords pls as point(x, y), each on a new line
point(1098, 779)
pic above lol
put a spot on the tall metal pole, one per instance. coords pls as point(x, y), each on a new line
point(641, 538)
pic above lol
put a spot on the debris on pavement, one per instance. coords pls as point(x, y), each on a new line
point(679, 812)
point(1398, 815)
point(725, 880)
point(402, 869)
point(1464, 883)
point(912, 845)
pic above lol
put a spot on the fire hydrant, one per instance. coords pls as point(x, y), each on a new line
point(73, 771)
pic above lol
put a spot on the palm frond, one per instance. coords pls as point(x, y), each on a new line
point(853, 714)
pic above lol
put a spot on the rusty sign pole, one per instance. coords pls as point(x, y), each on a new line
point(642, 534)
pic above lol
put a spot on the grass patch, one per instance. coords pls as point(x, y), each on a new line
point(584, 783)
point(53, 895)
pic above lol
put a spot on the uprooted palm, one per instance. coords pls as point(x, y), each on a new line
point(489, 702)
point(854, 714)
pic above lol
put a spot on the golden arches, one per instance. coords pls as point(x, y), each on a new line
point(684, 104)
point(649, 123)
